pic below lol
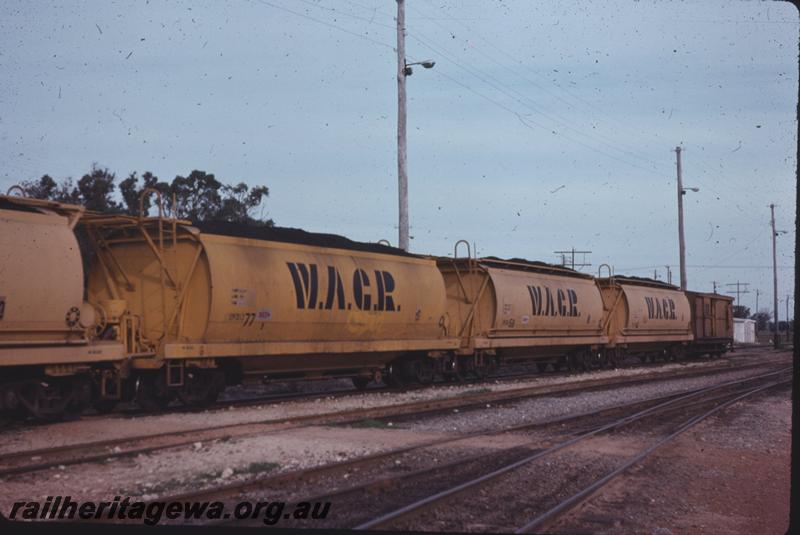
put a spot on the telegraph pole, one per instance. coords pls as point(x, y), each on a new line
point(403, 71)
point(739, 290)
point(715, 286)
point(681, 244)
point(774, 276)
point(571, 254)
point(402, 176)
point(758, 292)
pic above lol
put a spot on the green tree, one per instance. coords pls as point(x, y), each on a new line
point(762, 318)
point(131, 192)
point(239, 202)
point(97, 189)
point(47, 188)
point(197, 197)
point(740, 311)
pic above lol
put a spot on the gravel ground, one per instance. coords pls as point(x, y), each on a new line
point(201, 465)
point(207, 464)
point(729, 474)
point(516, 497)
point(76, 432)
point(543, 408)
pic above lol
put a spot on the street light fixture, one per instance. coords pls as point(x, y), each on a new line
point(428, 64)
point(403, 70)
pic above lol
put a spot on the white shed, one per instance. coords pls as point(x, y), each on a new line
point(744, 331)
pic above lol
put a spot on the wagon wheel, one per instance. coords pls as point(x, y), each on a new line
point(584, 361)
point(152, 393)
point(495, 364)
point(360, 382)
point(104, 406)
point(100, 403)
point(482, 370)
point(575, 362)
point(77, 392)
point(53, 399)
point(418, 371)
point(392, 378)
point(201, 387)
point(541, 367)
point(620, 357)
point(609, 358)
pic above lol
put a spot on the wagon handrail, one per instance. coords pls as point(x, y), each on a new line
point(455, 249)
point(144, 194)
point(600, 271)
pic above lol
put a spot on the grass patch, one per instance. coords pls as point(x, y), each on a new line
point(158, 488)
point(201, 479)
point(476, 391)
point(369, 423)
point(260, 467)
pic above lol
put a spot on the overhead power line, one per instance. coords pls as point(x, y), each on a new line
point(555, 94)
point(326, 23)
point(525, 120)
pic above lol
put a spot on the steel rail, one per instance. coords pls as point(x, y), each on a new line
point(10, 424)
point(219, 493)
point(387, 481)
point(88, 452)
point(587, 492)
point(380, 456)
point(508, 377)
point(432, 499)
point(239, 488)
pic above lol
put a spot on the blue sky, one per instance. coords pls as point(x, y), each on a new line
point(543, 125)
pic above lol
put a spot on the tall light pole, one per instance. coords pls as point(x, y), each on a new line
point(788, 297)
point(681, 242)
point(402, 177)
point(776, 343)
point(403, 70)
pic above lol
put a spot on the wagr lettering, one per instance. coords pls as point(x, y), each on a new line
point(377, 285)
point(660, 309)
point(544, 302)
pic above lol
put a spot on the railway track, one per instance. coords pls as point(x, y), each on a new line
point(392, 487)
point(699, 403)
point(21, 462)
point(360, 494)
point(132, 411)
point(549, 516)
point(529, 371)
